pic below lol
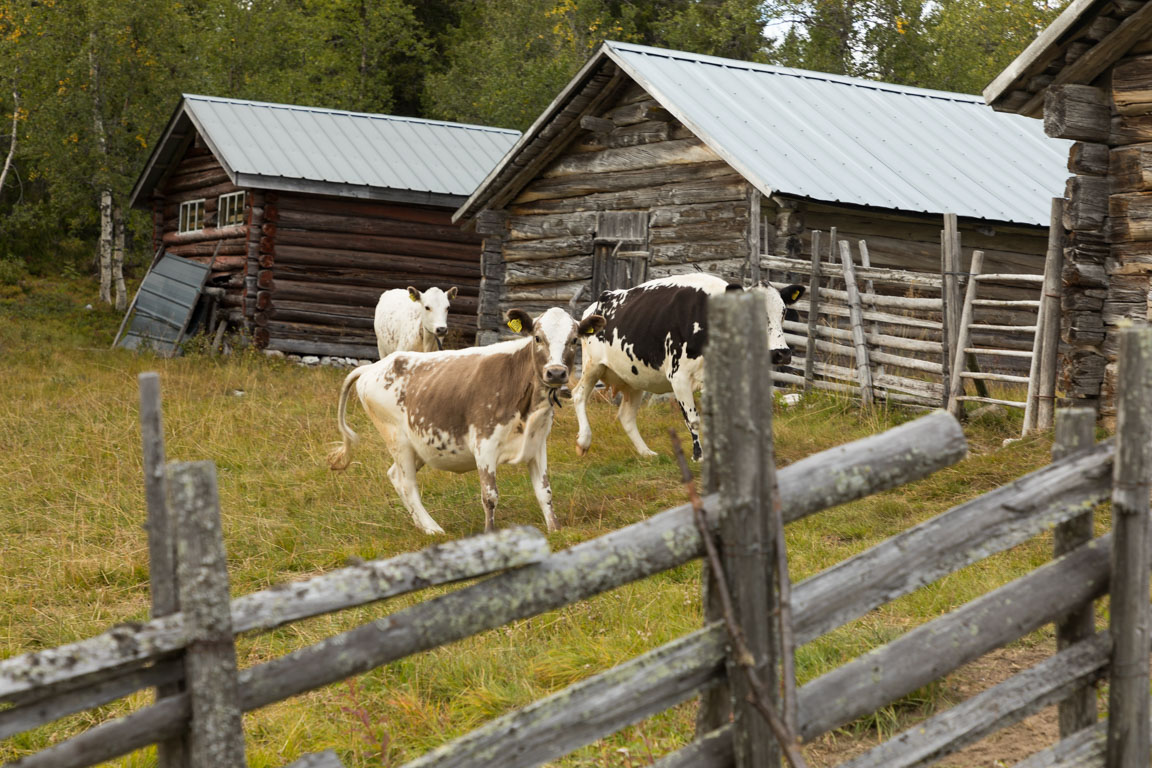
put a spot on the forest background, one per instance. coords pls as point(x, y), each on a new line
point(87, 85)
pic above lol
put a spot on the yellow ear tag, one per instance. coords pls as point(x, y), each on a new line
point(414, 298)
point(515, 324)
point(795, 295)
point(590, 331)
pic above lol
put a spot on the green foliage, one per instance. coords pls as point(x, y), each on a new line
point(12, 271)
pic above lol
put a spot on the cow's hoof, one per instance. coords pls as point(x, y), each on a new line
point(580, 450)
point(648, 454)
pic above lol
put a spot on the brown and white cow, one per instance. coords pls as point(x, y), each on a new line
point(468, 409)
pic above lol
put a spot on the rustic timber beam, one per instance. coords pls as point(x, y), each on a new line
point(596, 124)
point(1078, 112)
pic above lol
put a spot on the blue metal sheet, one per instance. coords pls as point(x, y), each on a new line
point(164, 305)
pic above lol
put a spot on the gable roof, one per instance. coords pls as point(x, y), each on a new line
point(1104, 30)
point(327, 151)
point(824, 137)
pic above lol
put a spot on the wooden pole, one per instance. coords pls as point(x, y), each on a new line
point(956, 382)
point(870, 292)
point(754, 234)
point(1128, 733)
point(1033, 399)
point(172, 753)
point(813, 313)
point(1050, 307)
point(1075, 430)
point(216, 730)
point(746, 478)
point(945, 348)
point(863, 367)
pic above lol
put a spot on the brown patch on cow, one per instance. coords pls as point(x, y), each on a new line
point(478, 391)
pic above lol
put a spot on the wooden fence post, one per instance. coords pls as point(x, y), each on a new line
point(1050, 306)
point(956, 385)
point(813, 314)
point(1075, 430)
point(216, 730)
point(171, 753)
point(856, 313)
point(945, 341)
point(744, 470)
point(1128, 733)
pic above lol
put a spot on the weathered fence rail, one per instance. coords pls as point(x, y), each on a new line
point(43, 685)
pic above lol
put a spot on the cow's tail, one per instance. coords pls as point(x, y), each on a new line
point(341, 454)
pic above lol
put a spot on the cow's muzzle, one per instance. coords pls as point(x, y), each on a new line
point(781, 356)
point(441, 331)
point(555, 375)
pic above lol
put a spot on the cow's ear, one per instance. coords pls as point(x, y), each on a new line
point(590, 325)
point(451, 293)
point(413, 294)
point(733, 287)
point(792, 293)
point(519, 321)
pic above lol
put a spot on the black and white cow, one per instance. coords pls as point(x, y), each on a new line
point(653, 341)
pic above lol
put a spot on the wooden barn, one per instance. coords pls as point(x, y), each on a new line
point(309, 214)
point(654, 162)
point(1089, 76)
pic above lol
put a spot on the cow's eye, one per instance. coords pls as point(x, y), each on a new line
point(428, 308)
point(538, 339)
point(574, 341)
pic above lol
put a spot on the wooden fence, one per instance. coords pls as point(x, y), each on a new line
point(907, 337)
point(199, 725)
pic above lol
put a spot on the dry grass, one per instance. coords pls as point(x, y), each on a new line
point(75, 557)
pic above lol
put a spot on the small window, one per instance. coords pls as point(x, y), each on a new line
point(230, 210)
point(192, 216)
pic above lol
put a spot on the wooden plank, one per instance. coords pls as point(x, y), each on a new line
point(1129, 625)
point(1075, 431)
point(591, 709)
point(216, 729)
point(813, 311)
point(1077, 112)
point(939, 646)
point(325, 759)
point(624, 159)
point(879, 274)
point(172, 753)
point(741, 428)
point(711, 750)
point(952, 540)
point(998, 707)
point(964, 333)
point(991, 400)
point(863, 367)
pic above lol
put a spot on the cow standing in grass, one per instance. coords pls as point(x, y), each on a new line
point(468, 409)
point(653, 341)
point(407, 319)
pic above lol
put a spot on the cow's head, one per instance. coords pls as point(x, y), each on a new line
point(555, 338)
point(778, 302)
point(433, 310)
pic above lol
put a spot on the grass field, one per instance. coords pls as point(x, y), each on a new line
point(74, 556)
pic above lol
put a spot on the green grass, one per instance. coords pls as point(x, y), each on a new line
point(75, 555)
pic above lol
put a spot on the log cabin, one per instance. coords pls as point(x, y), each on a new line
point(1088, 77)
point(654, 162)
point(309, 214)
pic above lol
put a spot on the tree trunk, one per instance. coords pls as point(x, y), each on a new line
point(118, 258)
point(12, 145)
point(105, 246)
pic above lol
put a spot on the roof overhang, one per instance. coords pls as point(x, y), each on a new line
point(1021, 86)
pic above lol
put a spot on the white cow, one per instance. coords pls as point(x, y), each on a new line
point(653, 341)
point(407, 319)
point(468, 409)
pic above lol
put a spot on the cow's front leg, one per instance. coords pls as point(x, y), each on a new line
point(538, 471)
point(630, 400)
point(682, 388)
point(580, 395)
point(488, 496)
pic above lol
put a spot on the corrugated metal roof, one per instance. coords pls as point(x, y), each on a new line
point(857, 141)
point(841, 139)
point(282, 146)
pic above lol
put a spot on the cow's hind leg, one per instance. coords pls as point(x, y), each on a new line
point(402, 473)
point(538, 471)
point(580, 395)
point(630, 400)
point(682, 388)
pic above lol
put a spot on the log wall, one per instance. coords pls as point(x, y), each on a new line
point(304, 272)
point(631, 156)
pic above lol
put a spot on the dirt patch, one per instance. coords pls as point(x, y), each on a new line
point(1003, 748)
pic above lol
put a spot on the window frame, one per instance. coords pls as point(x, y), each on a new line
point(225, 201)
point(191, 213)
